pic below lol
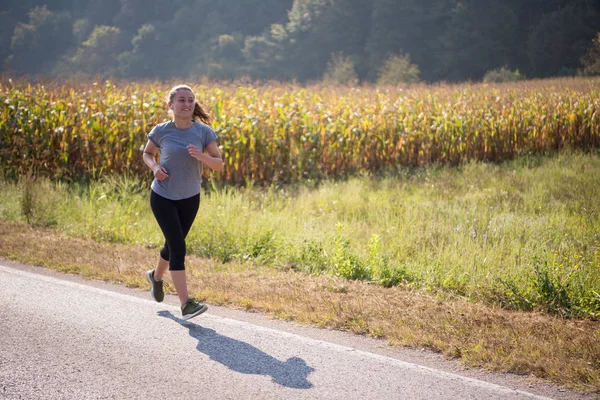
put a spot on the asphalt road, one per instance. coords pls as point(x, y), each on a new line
point(65, 338)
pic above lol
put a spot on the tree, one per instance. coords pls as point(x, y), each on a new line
point(101, 12)
point(305, 58)
point(248, 17)
point(591, 60)
point(227, 58)
point(265, 55)
point(479, 38)
point(409, 26)
point(135, 13)
point(81, 30)
point(35, 46)
point(20, 8)
point(557, 43)
point(98, 55)
point(319, 28)
point(528, 14)
point(7, 26)
point(147, 56)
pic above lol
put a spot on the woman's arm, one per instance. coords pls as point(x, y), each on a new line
point(213, 160)
point(150, 152)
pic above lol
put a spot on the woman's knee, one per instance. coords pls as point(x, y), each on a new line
point(165, 254)
point(177, 262)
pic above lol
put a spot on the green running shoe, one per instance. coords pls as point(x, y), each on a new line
point(156, 287)
point(191, 309)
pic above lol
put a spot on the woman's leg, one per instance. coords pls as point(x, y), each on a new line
point(187, 210)
point(180, 283)
point(175, 218)
point(161, 267)
point(167, 217)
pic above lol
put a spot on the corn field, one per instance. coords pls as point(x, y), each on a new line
point(278, 133)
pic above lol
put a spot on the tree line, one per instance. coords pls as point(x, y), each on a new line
point(302, 40)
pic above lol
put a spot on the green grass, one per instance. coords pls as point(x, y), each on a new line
point(524, 234)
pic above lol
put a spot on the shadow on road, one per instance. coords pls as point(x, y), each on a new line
point(245, 358)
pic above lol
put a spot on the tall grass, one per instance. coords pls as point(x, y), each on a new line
point(523, 234)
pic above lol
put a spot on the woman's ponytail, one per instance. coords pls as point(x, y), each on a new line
point(201, 114)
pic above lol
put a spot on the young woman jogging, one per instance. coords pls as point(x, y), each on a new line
point(185, 144)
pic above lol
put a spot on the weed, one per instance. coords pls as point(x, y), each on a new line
point(551, 292)
point(28, 201)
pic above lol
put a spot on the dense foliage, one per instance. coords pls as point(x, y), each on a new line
point(448, 40)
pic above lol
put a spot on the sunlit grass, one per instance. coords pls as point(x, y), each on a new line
point(522, 235)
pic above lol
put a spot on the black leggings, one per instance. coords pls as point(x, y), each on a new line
point(175, 218)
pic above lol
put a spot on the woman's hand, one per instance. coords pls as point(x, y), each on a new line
point(213, 160)
point(194, 152)
point(160, 173)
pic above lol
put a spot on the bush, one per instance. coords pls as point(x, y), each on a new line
point(398, 69)
point(503, 74)
point(340, 69)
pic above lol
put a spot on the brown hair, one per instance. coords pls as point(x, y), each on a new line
point(199, 112)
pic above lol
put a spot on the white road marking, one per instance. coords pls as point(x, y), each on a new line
point(313, 342)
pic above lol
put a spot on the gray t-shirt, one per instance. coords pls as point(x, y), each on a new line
point(185, 172)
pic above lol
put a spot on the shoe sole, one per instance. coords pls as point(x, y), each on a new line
point(152, 287)
point(200, 311)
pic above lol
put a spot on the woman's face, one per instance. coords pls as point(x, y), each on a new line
point(183, 104)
